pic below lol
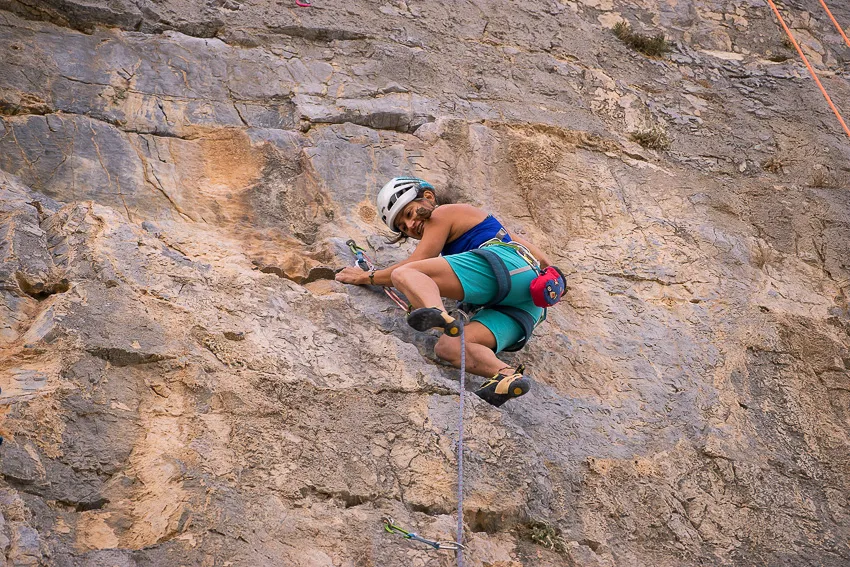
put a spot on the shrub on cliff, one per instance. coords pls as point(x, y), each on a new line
point(653, 46)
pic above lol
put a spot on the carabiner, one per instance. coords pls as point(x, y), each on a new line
point(450, 545)
point(360, 256)
point(390, 527)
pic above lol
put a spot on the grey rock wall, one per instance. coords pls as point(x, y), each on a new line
point(182, 384)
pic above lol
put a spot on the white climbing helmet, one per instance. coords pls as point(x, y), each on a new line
point(395, 195)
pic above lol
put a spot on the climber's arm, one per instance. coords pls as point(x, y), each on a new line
point(433, 240)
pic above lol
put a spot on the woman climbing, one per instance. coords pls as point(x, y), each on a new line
point(465, 254)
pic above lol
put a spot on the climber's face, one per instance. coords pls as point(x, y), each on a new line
point(409, 222)
point(413, 219)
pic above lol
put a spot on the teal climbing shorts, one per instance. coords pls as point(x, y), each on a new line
point(480, 286)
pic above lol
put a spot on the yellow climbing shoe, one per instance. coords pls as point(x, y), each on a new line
point(426, 318)
point(501, 388)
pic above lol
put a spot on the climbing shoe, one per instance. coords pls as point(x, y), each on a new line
point(501, 387)
point(426, 318)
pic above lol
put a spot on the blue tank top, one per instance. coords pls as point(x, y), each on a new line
point(475, 237)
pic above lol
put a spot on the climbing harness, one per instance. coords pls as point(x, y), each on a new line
point(503, 286)
point(808, 65)
point(523, 252)
point(391, 527)
point(365, 263)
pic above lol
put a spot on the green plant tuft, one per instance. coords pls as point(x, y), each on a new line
point(653, 46)
point(548, 536)
point(622, 30)
point(654, 138)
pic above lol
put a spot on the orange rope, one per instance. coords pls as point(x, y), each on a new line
point(808, 65)
point(831, 17)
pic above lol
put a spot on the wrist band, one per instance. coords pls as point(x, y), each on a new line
point(372, 276)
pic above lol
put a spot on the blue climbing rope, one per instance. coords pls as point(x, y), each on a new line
point(389, 523)
point(460, 443)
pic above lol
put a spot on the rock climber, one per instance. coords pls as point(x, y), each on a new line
point(447, 263)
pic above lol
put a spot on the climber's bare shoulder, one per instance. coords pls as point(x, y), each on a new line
point(459, 217)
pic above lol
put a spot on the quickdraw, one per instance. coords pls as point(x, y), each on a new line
point(390, 527)
point(365, 263)
point(360, 256)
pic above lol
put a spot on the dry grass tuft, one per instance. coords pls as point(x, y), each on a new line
point(779, 58)
point(654, 46)
point(773, 164)
point(826, 179)
point(654, 138)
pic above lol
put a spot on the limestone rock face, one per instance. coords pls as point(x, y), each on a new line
point(183, 383)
